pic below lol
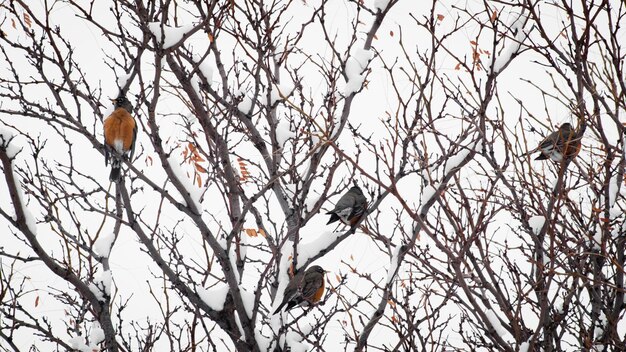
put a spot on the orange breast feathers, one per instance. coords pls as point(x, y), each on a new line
point(318, 294)
point(118, 130)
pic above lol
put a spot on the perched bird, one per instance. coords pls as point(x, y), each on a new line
point(306, 287)
point(558, 144)
point(349, 208)
point(120, 133)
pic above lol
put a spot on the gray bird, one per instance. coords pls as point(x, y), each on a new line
point(349, 208)
point(305, 287)
point(558, 144)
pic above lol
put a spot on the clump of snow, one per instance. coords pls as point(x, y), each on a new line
point(536, 223)
point(495, 322)
point(456, 160)
point(122, 80)
point(205, 67)
point(28, 216)
point(393, 265)
point(429, 192)
point(215, 296)
point(101, 285)
point(263, 341)
point(247, 298)
point(284, 88)
point(238, 322)
point(614, 186)
point(6, 137)
point(283, 132)
point(195, 193)
point(355, 65)
point(308, 250)
point(517, 28)
point(310, 201)
point(245, 105)
point(294, 340)
point(381, 5)
point(172, 35)
point(103, 245)
point(232, 254)
point(97, 334)
point(523, 347)
point(78, 343)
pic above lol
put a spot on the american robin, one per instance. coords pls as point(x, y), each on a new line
point(349, 208)
point(120, 133)
point(306, 287)
point(562, 142)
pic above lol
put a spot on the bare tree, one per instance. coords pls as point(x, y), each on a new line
point(254, 117)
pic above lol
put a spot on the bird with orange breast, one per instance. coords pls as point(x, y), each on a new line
point(120, 133)
point(558, 145)
point(305, 288)
point(350, 207)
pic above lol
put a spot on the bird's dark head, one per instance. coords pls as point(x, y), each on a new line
point(566, 127)
point(316, 269)
point(356, 189)
point(122, 102)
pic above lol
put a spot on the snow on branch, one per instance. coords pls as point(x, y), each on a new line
point(169, 36)
point(356, 64)
point(215, 296)
point(519, 33)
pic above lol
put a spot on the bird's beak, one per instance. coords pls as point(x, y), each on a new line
point(112, 100)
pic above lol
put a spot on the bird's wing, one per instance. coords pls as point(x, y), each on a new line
point(132, 145)
point(549, 141)
point(345, 202)
point(310, 286)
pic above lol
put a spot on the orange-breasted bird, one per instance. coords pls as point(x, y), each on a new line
point(349, 208)
point(306, 287)
point(559, 144)
point(120, 133)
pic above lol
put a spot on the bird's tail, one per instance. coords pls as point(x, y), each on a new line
point(333, 217)
point(116, 170)
point(279, 308)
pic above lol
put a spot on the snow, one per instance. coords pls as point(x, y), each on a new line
point(101, 285)
point(613, 190)
point(103, 245)
point(517, 28)
point(308, 250)
point(263, 342)
point(122, 80)
point(355, 65)
point(247, 297)
point(6, 141)
point(238, 322)
point(205, 67)
point(285, 88)
point(78, 343)
point(232, 254)
point(428, 193)
point(195, 193)
point(28, 216)
point(536, 223)
point(456, 160)
point(294, 341)
point(97, 334)
point(393, 265)
point(215, 296)
point(245, 105)
point(381, 5)
point(283, 132)
point(523, 347)
point(6, 136)
point(172, 34)
point(495, 322)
